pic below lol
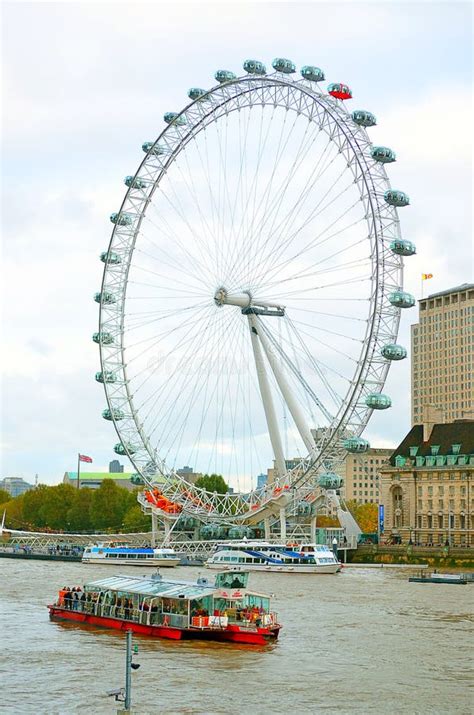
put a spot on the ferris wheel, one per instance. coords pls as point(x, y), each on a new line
point(252, 291)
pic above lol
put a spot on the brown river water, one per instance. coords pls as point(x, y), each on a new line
point(363, 641)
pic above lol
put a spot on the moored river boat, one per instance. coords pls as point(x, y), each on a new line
point(120, 552)
point(153, 606)
point(263, 556)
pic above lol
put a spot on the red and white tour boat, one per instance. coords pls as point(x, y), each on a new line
point(152, 606)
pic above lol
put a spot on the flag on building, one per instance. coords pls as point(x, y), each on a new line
point(85, 458)
point(426, 276)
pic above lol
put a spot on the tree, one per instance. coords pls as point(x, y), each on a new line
point(212, 483)
point(136, 520)
point(4, 496)
point(109, 505)
point(78, 515)
point(55, 506)
point(14, 517)
point(366, 515)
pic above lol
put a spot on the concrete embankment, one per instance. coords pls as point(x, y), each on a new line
point(452, 557)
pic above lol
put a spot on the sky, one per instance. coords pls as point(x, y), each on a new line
point(84, 84)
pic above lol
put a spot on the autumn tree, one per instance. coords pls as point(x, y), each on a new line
point(4, 496)
point(366, 515)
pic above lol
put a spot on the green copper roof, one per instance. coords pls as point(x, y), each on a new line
point(100, 475)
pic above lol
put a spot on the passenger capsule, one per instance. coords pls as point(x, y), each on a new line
point(196, 93)
point(223, 76)
point(125, 448)
point(356, 445)
point(378, 401)
point(174, 118)
point(400, 299)
point(103, 338)
point(280, 64)
point(113, 414)
point(121, 219)
point(237, 532)
point(340, 91)
point(254, 67)
point(383, 154)
point(313, 74)
point(396, 198)
point(105, 298)
point(394, 352)
point(134, 182)
point(110, 257)
point(364, 118)
point(137, 479)
point(330, 480)
point(153, 148)
point(304, 508)
point(105, 377)
point(403, 248)
point(209, 531)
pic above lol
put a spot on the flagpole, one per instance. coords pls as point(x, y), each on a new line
point(422, 286)
point(78, 469)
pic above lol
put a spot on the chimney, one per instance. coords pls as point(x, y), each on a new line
point(432, 416)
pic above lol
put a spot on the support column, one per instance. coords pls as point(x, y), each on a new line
point(154, 527)
point(292, 403)
point(283, 523)
point(266, 523)
point(167, 525)
point(267, 399)
point(313, 529)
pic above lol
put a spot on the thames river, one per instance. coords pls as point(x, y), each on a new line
point(363, 641)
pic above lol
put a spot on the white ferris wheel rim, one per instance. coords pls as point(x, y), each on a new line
point(372, 182)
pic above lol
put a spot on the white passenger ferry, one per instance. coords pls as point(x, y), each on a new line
point(120, 552)
point(263, 556)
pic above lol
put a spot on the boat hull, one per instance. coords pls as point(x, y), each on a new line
point(161, 563)
point(278, 568)
point(232, 633)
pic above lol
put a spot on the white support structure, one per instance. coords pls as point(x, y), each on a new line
point(266, 523)
point(154, 528)
point(312, 528)
point(291, 402)
point(283, 523)
point(267, 400)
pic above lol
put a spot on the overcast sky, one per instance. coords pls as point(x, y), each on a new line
point(85, 84)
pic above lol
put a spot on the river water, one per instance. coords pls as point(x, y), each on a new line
point(363, 641)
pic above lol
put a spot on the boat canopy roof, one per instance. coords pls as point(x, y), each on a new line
point(153, 586)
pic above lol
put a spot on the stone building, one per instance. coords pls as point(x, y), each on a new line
point(362, 474)
point(427, 489)
point(442, 348)
point(93, 480)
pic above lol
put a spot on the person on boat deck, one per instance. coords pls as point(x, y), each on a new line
point(236, 583)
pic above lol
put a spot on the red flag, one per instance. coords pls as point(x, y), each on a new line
point(84, 458)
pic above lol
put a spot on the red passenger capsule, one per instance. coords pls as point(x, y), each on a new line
point(340, 91)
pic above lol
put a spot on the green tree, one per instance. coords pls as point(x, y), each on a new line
point(33, 501)
point(78, 515)
point(56, 503)
point(213, 483)
point(136, 520)
point(14, 513)
point(109, 505)
point(4, 496)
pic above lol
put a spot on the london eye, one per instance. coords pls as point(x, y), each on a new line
point(251, 293)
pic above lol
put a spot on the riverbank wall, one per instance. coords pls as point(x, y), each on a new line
point(441, 557)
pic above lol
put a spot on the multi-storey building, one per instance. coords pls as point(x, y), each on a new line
point(442, 346)
point(362, 474)
point(15, 485)
point(428, 487)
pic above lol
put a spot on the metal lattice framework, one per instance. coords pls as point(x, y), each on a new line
point(165, 205)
